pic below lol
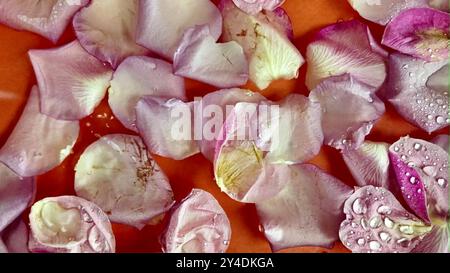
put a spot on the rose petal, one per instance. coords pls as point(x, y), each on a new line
point(307, 212)
point(72, 83)
point(46, 18)
point(162, 23)
point(111, 36)
point(15, 238)
point(199, 57)
point(197, 225)
point(345, 47)
point(434, 242)
point(442, 141)
point(346, 127)
point(270, 53)
point(137, 77)
point(255, 6)
point(118, 174)
point(160, 122)
point(407, 90)
point(38, 143)
point(421, 33)
point(70, 224)
point(377, 222)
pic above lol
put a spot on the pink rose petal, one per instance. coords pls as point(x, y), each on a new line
point(255, 6)
point(69, 224)
point(137, 77)
point(307, 212)
point(162, 23)
point(38, 143)
point(118, 174)
point(437, 241)
point(199, 57)
point(197, 225)
point(442, 141)
point(72, 83)
point(14, 238)
point(107, 30)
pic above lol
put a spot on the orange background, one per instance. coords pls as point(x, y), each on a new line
point(308, 16)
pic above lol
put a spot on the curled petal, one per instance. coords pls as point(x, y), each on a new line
point(38, 143)
point(137, 77)
point(118, 174)
point(255, 6)
point(346, 47)
point(199, 57)
point(442, 141)
point(162, 23)
point(46, 18)
point(307, 212)
point(421, 33)
point(346, 127)
point(376, 222)
point(197, 225)
point(14, 238)
point(69, 224)
point(408, 89)
point(437, 241)
point(162, 125)
point(71, 82)
point(111, 36)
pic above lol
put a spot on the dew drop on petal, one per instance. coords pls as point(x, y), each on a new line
point(359, 207)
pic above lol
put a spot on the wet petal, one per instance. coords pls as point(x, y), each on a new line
point(307, 212)
point(421, 33)
point(72, 83)
point(199, 57)
point(255, 6)
point(38, 143)
point(346, 47)
point(434, 242)
point(162, 124)
point(407, 90)
point(111, 36)
point(118, 174)
point(377, 222)
point(70, 224)
point(197, 225)
point(346, 127)
point(442, 141)
point(46, 18)
point(137, 77)
point(160, 31)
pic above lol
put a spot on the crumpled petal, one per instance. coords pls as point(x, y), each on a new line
point(346, 127)
point(38, 143)
point(434, 242)
point(255, 6)
point(199, 57)
point(69, 224)
point(307, 212)
point(197, 225)
point(369, 164)
point(107, 30)
point(71, 82)
point(442, 141)
point(162, 23)
point(140, 76)
point(15, 195)
point(14, 238)
point(408, 90)
point(46, 18)
point(269, 51)
point(421, 33)
point(345, 47)
point(118, 174)
point(162, 125)
point(376, 222)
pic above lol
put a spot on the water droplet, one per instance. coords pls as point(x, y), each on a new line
point(226, 242)
point(430, 170)
point(261, 228)
point(388, 223)
point(413, 180)
point(430, 117)
point(374, 245)
point(411, 164)
point(384, 210)
point(405, 66)
point(407, 174)
point(364, 224)
point(396, 149)
point(419, 191)
point(406, 230)
point(384, 236)
point(375, 222)
point(417, 146)
point(354, 225)
point(404, 157)
point(359, 207)
point(442, 182)
point(440, 120)
point(361, 241)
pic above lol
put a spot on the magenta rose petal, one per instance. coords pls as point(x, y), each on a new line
point(69, 224)
point(71, 82)
point(197, 225)
point(307, 212)
point(38, 143)
point(434, 242)
point(421, 33)
point(376, 222)
point(140, 76)
point(14, 238)
point(162, 23)
point(346, 127)
point(255, 6)
point(346, 47)
point(111, 36)
point(46, 18)
point(199, 57)
point(162, 125)
point(118, 174)
point(442, 141)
